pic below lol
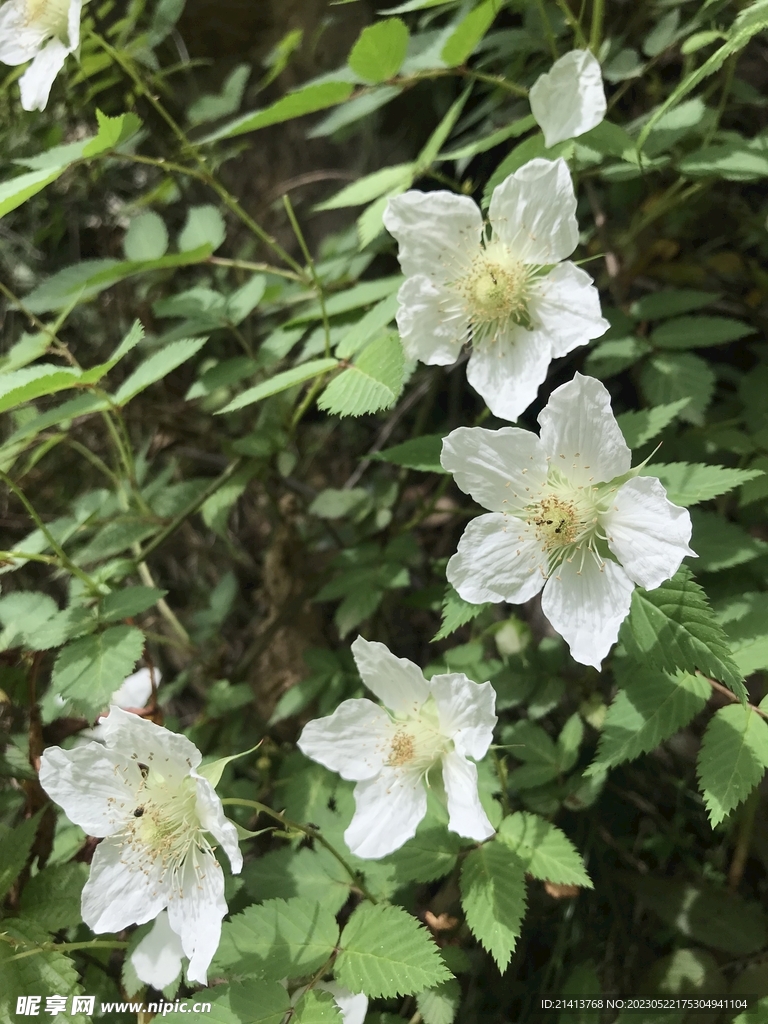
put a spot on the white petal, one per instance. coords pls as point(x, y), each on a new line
point(508, 373)
point(398, 683)
point(167, 753)
point(466, 814)
point(569, 100)
point(35, 84)
point(533, 212)
point(353, 1007)
point(647, 533)
point(352, 740)
point(157, 958)
point(466, 712)
point(19, 41)
point(566, 305)
point(123, 888)
point(73, 23)
point(501, 469)
point(581, 435)
point(97, 790)
point(212, 818)
point(587, 605)
point(388, 811)
point(136, 689)
point(196, 909)
point(432, 324)
point(437, 232)
point(498, 559)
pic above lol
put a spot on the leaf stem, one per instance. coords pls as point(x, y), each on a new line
point(312, 270)
point(596, 30)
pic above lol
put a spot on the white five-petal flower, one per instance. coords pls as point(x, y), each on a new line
point(511, 293)
point(157, 958)
point(566, 514)
point(390, 751)
point(140, 791)
point(43, 31)
point(569, 99)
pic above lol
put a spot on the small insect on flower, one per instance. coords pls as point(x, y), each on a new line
point(43, 31)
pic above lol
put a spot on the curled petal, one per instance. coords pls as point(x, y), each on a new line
point(466, 712)
point(398, 683)
point(35, 84)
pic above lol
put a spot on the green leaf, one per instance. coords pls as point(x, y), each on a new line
point(670, 302)
point(672, 628)
point(370, 187)
point(690, 483)
point(369, 326)
point(280, 382)
point(22, 613)
point(157, 366)
point(278, 939)
point(668, 377)
point(440, 1005)
point(648, 709)
point(732, 758)
point(721, 544)
point(468, 33)
point(545, 851)
point(317, 1008)
point(699, 332)
point(21, 188)
point(308, 100)
point(88, 671)
point(456, 612)
point(386, 952)
point(431, 854)
point(363, 294)
point(33, 382)
point(241, 303)
point(641, 425)
point(438, 138)
point(204, 226)
point(146, 238)
point(380, 50)
point(493, 897)
point(42, 973)
point(311, 875)
point(733, 161)
point(242, 1002)
point(52, 897)
point(15, 846)
point(421, 453)
point(212, 106)
point(373, 382)
point(130, 601)
point(611, 357)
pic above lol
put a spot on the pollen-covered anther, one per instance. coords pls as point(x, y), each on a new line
point(558, 522)
point(494, 290)
point(402, 750)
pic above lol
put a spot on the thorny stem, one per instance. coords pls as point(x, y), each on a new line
point(312, 270)
point(59, 348)
point(62, 947)
point(312, 833)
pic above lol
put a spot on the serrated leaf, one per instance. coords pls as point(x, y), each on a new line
point(33, 382)
point(650, 707)
point(278, 939)
point(699, 332)
point(468, 33)
point(52, 897)
point(545, 851)
point(280, 382)
point(43, 974)
point(21, 614)
point(15, 845)
point(641, 425)
point(493, 897)
point(732, 758)
point(690, 483)
point(421, 453)
point(440, 1005)
point(130, 601)
point(370, 187)
point(431, 854)
point(307, 100)
point(671, 302)
point(157, 366)
point(456, 612)
point(380, 50)
point(669, 376)
point(88, 671)
point(373, 382)
point(243, 1002)
point(312, 875)
point(721, 544)
point(317, 1008)
point(146, 237)
point(673, 628)
point(386, 952)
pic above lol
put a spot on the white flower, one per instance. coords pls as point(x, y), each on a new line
point(43, 31)
point(353, 1007)
point(157, 958)
point(511, 294)
point(389, 752)
point(141, 793)
point(567, 515)
point(569, 100)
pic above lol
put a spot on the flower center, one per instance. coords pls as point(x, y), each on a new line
point(49, 14)
point(164, 822)
point(495, 291)
point(418, 742)
point(566, 520)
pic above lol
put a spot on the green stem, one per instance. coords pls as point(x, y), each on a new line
point(307, 830)
point(596, 32)
point(545, 24)
point(317, 386)
point(575, 27)
point(501, 771)
point(264, 268)
point(65, 947)
point(312, 270)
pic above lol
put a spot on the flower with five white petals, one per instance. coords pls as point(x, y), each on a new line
point(569, 99)
point(390, 751)
point(43, 31)
point(567, 515)
point(141, 793)
point(512, 292)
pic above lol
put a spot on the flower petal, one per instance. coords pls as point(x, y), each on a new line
point(566, 305)
point(508, 372)
point(136, 689)
point(157, 958)
point(123, 888)
point(73, 23)
point(351, 741)
point(587, 605)
point(398, 683)
point(500, 469)
point(97, 791)
point(581, 435)
point(19, 41)
point(437, 233)
point(168, 752)
point(212, 818)
point(647, 533)
point(466, 712)
point(466, 814)
point(498, 559)
point(570, 99)
point(35, 84)
point(533, 212)
point(388, 811)
point(196, 907)
point(353, 1006)
point(432, 324)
